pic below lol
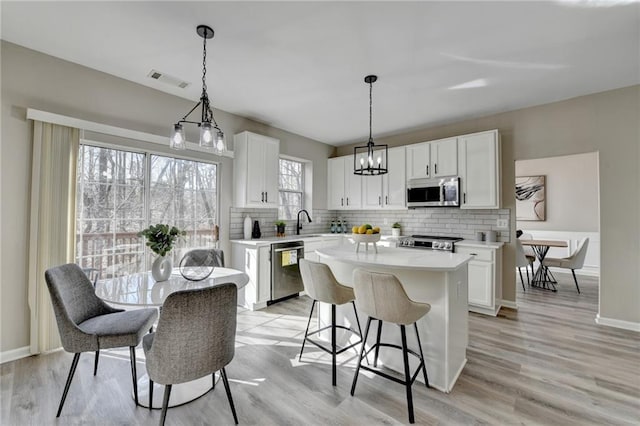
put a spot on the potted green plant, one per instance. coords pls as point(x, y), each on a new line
point(280, 228)
point(395, 229)
point(160, 239)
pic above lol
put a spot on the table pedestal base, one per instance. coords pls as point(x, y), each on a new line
point(181, 393)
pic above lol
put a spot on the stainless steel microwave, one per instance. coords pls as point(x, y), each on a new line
point(443, 192)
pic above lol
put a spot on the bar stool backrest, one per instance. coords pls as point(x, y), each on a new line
point(320, 283)
point(382, 296)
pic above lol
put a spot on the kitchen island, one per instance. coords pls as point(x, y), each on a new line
point(433, 277)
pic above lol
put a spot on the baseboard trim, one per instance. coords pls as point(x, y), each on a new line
point(611, 322)
point(14, 354)
point(509, 304)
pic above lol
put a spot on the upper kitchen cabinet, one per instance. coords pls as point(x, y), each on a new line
point(479, 168)
point(432, 159)
point(344, 189)
point(255, 170)
point(388, 190)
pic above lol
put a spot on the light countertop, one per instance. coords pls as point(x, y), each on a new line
point(308, 237)
point(392, 257)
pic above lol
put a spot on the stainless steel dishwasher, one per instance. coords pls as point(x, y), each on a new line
point(286, 280)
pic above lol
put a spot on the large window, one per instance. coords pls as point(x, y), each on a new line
point(291, 188)
point(120, 193)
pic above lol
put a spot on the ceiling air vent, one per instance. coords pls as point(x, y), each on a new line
point(167, 79)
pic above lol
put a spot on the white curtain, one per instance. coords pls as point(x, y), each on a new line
point(52, 224)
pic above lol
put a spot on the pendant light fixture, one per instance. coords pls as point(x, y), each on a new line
point(211, 136)
point(370, 159)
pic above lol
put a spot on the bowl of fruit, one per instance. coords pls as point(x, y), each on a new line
point(365, 234)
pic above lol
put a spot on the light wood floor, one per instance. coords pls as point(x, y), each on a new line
point(547, 363)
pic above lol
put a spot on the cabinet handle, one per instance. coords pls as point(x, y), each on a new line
point(473, 254)
point(386, 199)
point(342, 201)
point(427, 170)
point(436, 168)
point(347, 200)
point(266, 197)
point(262, 195)
point(464, 198)
point(379, 200)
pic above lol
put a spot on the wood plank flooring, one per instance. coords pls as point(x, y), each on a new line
point(547, 363)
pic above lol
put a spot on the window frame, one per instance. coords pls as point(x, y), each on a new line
point(303, 192)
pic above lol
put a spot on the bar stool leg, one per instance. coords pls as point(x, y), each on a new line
point(375, 356)
point(333, 344)
point(364, 340)
point(424, 364)
point(407, 373)
point(306, 332)
point(355, 311)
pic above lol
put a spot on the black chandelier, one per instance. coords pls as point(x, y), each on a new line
point(370, 159)
point(211, 136)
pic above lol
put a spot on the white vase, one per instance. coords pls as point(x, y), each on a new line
point(247, 227)
point(395, 232)
point(161, 268)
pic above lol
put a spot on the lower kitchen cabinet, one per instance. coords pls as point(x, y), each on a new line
point(485, 276)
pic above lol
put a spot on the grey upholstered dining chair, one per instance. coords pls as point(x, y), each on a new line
point(86, 323)
point(382, 297)
point(195, 337)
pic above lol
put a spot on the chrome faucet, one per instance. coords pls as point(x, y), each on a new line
point(298, 226)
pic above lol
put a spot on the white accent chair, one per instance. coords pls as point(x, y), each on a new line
point(573, 262)
point(522, 262)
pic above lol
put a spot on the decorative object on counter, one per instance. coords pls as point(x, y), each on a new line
point(339, 227)
point(247, 227)
point(280, 228)
point(211, 136)
point(366, 234)
point(333, 226)
point(479, 236)
point(530, 198)
point(395, 229)
point(160, 239)
point(491, 236)
point(374, 156)
point(256, 230)
point(198, 264)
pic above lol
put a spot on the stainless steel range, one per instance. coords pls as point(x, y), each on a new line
point(429, 242)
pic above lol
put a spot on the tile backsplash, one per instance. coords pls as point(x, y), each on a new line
point(434, 221)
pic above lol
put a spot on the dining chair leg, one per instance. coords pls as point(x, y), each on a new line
point(575, 280)
point(72, 371)
point(424, 363)
point(213, 380)
point(377, 350)
point(165, 404)
point(522, 279)
point(364, 340)
point(150, 394)
point(333, 344)
point(355, 311)
point(95, 363)
point(223, 372)
point(134, 373)
point(407, 373)
point(306, 332)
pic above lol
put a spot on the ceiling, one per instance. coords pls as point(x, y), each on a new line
point(300, 66)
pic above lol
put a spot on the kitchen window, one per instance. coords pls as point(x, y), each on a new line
point(121, 192)
point(291, 186)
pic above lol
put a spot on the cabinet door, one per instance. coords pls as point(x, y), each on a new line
point(264, 275)
point(479, 165)
point(372, 197)
point(481, 283)
point(444, 157)
point(418, 161)
point(271, 165)
point(394, 183)
point(352, 185)
point(335, 187)
point(255, 173)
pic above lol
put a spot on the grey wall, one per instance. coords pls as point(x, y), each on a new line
point(571, 193)
point(606, 123)
point(33, 80)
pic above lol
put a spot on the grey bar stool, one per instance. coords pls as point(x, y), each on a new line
point(382, 298)
point(322, 286)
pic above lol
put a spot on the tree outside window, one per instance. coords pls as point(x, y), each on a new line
point(291, 188)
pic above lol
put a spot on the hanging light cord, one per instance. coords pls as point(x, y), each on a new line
point(370, 110)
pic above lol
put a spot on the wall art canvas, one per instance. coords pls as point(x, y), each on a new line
point(530, 198)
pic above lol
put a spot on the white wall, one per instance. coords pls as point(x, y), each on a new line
point(33, 80)
point(571, 192)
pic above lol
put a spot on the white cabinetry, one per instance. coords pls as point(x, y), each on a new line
point(344, 189)
point(388, 190)
point(432, 159)
point(485, 277)
point(479, 168)
point(255, 170)
point(256, 263)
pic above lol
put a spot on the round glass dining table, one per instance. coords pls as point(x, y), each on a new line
point(142, 290)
